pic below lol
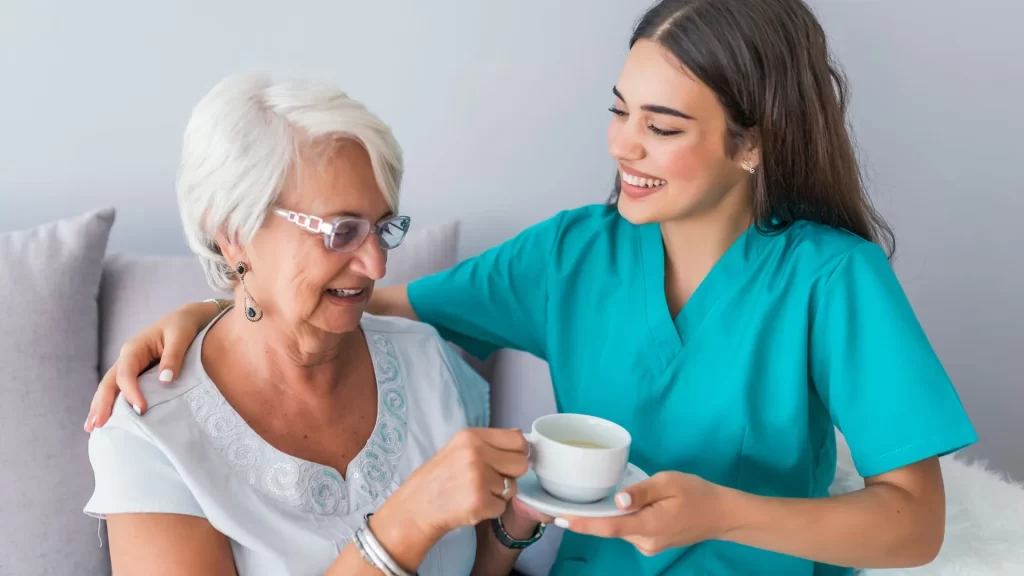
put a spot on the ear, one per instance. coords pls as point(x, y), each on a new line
point(750, 152)
point(231, 252)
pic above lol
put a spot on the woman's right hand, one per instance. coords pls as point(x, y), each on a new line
point(469, 481)
point(165, 341)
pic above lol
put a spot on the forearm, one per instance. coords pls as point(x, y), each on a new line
point(202, 313)
point(350, 563)
point(492, 557)
point(881, 526)
point(393, 301)
point(402, 539)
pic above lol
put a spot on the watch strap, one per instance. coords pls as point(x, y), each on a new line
point(508, 541)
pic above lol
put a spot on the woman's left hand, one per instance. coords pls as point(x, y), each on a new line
point(671, 509)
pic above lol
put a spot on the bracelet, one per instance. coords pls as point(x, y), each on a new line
point(506, 540)
point(363, 553)
point(220, 303)
point(371, 550)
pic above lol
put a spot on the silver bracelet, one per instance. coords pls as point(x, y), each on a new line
point(368, 555)
point(362, 552)
point(367, 542)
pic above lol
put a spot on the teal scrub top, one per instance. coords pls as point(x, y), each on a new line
point(790, 335)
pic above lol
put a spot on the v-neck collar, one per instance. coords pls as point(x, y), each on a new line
point(319, 488)
point(671, 335)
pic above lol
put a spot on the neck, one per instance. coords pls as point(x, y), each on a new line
point(694, 245)
point(297, 361)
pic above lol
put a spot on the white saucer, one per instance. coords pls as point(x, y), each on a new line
point(531, 494)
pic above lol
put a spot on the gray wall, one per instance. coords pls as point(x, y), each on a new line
point(501, 109)
point(937, 101)
point(500, 106)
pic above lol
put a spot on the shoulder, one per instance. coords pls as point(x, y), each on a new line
point(583, 223)
point(401, 330)
point(591, 216)
point(590, 233)
point(817, 251)
point(431, 362)
point(190, 375)
point(160, 396)
point(416, 344)
point(576, 223)
point(134, 460)
point(410, 340)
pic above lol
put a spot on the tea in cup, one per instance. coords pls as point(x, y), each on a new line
point(578, 458)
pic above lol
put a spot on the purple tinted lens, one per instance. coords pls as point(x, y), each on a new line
point(349, 234)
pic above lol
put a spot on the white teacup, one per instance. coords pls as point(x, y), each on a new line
point(578, 458)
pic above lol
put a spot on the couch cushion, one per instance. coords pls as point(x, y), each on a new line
point(49, 288)
point(426, 250)
point(138, 290)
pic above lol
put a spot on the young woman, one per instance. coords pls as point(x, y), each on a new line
point(731, 308)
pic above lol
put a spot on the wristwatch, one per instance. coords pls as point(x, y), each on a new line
point(508, 541)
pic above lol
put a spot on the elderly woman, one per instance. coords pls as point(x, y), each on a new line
point(301, 436)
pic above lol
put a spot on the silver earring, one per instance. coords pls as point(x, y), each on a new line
point(253, 313)
point(748, 166)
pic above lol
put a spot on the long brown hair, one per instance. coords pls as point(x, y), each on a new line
point(769, 63)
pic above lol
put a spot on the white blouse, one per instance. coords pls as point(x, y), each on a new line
point(191, 453)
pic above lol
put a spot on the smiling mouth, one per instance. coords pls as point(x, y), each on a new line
point(642, 182)
point(343, 293)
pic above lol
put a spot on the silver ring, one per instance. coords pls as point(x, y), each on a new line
point(507, 488)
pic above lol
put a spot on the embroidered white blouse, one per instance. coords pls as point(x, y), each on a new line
point(191, 453)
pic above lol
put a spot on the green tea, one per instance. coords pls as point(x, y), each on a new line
point(585, 444)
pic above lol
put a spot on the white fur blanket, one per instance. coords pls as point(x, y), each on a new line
point(984, 520)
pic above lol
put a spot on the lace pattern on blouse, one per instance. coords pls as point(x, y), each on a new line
point(299, 483)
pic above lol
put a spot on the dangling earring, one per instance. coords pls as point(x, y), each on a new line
point(748, 166)
point(253, 313)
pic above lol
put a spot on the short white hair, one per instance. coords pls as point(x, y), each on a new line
point(242, 141)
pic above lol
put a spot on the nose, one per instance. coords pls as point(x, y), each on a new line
point(370, 259)
point(623, 143)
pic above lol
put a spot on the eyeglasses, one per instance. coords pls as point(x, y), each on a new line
point(345, 234)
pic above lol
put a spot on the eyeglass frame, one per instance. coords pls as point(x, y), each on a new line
point(328, 229)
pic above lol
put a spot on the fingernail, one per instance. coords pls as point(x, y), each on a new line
point(86, 425)
point(166, 375)
point(623, 499)
point(137, 409)
point(93, 422)
point(561, 522)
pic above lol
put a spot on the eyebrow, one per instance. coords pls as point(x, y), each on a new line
point(343, 214)
point(349, 214)
point(656, 109)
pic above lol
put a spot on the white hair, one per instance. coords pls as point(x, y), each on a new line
point(242, 141)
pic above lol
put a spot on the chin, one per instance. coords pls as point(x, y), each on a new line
point(338, 327)
point(642, 211)
point(663, 206)
point(338, 322)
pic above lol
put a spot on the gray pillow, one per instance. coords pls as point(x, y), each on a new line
point(138, 290)
point(49, 284)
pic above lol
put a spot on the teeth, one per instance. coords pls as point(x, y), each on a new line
point(642, 182)
point(342, 292)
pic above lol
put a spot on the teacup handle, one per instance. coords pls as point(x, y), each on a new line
point(531, 440)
